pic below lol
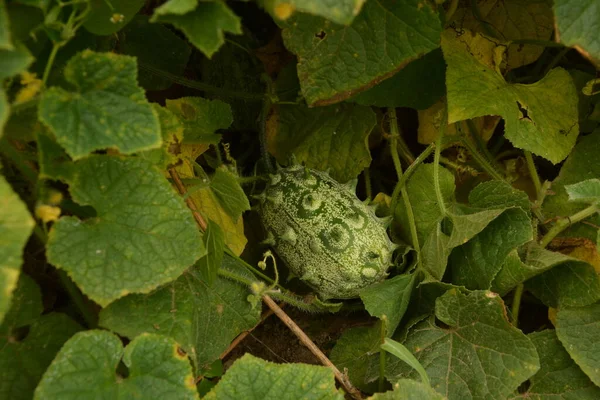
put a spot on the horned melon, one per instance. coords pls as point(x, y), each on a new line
point(324, 233)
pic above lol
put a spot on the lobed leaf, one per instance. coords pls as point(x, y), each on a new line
point(143, 234)
point(577, 24)
point(480, 354)
point(15, 227)
point(201, 317)
point(252, 378)
point(107, 109)
point(85, 368)
point(201, 118)
point(230, 194)
point(336, 62)
point(475, 86)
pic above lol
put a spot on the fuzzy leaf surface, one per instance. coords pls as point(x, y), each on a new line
point(255, 379)
point(209, 264)
point(231, 196)
point(585, 191)
point(325, 137)
point(578, 22)
point(578, 329)
point(479, 356)
point(15, 227)
point(336, 62)
point(559, 378)
point(143, 234)
point(548, 128)
point(202, 318)
point(85, 368)
point(107, 109)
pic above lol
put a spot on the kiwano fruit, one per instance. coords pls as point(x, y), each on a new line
point(324, 233)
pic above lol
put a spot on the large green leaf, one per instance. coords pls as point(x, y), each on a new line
point(587, 191)
point(251, 378)
point(338, 11)
point(389, 298)
point(479, 356)
point(333, 137)
point(230, 194)
point(409, 389)
point(335, 62)
point(15, 227)
point(536, 119)
point(203, 318)
point(559, 378)
point(107, 110)
point(418, 85)
point(204, 23)
point(14, 61)
point(354, 351)
point(201, 118)
point(510, 20)
point(85, 368)
point(577, 24)
point(168, 52)
point(106, 18)
point(578, 329)
point(143, 235)
point(5, 36)
point(23, 360)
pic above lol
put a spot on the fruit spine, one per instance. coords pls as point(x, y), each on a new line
point(324, 233)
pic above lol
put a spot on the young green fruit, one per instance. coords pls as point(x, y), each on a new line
point(324, 233)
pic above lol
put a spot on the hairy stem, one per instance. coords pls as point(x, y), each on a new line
point(533, 173)
point(516, 304)
point(436, 164)
point(564, 223)
point(409, 171)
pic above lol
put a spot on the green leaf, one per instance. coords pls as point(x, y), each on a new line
point(202, 318)
point(587, 191)
point(5, 36)
point(252, 378)
point(355, 350)
point(571, 284)
point(577, 25)
point(389, 298)
point(201, 118)
point(481, 355)
point(214, 241)
point(85, 368)
point(204, 25)
point(15, 227)
point(323, 138)
point(581, 165)
point(338, 11)
point(107, 109)
point(230, 194)
point(476, 263)
point(168, 51)
point(143, 235)
point(578, 329)
point(536, 119)
point(510, 20)
point(14, 61)
point(559, 377)
point(23, 359)
point(408, 389)
point(403, 354)
point(537, 260)
point(54, 162)
point(418, 85)
point(336, 62)
point(106, 18)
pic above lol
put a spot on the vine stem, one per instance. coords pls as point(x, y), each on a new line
point(296, 330)
point(533, 173)
point(382, 354)
point(564, 223)
point(516, 304)
point(396, 159)
point(481, 160)
point(436, 163)
point(408, 173)
point(51, 58)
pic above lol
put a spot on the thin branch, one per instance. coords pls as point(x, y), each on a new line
point(190, 203)
point(342, 379)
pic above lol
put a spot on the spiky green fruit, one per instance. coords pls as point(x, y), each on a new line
point(324, 233)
